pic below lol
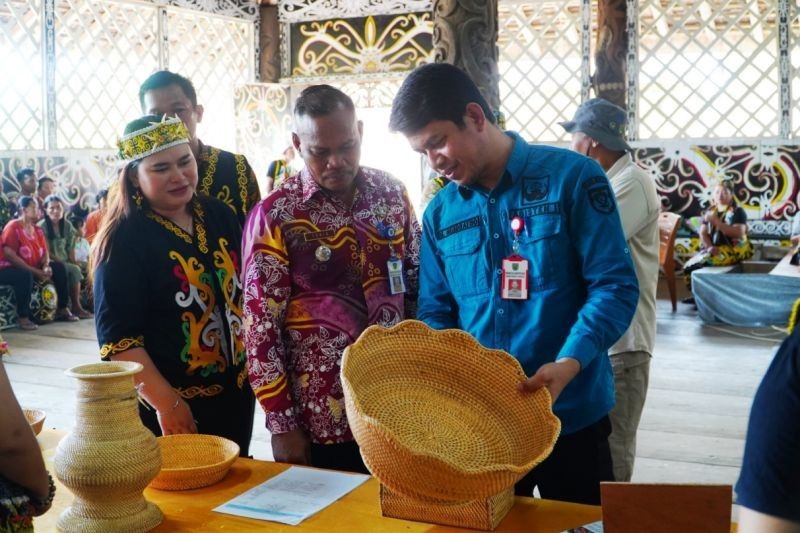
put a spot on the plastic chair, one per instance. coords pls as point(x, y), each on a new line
point(667, 229)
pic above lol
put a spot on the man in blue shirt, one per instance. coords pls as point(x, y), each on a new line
point(543, 209)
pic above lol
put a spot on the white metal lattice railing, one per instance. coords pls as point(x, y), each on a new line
point(21, 117)
point(104, 50)
point(540, 63)
point(708, 68)
point(216, 54)
point(77, 86)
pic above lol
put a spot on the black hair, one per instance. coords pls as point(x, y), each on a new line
point(75, 211)
point(102, 193)
point(41, 181)
point(165, 78)
point(23, 202)
point(48, 224)
point(436, 91)
point(77, 221)
point(24, 173)
point(141, 123)
point(320, 100)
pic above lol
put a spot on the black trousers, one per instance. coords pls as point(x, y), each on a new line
point(21, 281)
point(573, 472)
point(60, 281)
point(345, 456)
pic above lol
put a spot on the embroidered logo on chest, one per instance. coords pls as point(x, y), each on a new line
point(535, 189)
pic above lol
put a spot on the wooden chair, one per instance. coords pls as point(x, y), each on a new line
point(667, 228)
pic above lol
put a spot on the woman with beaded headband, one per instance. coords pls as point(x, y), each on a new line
point(167, 291)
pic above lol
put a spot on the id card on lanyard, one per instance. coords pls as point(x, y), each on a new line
point(514, 281)
point(394, 266)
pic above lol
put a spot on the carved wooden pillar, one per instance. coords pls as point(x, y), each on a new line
point(465, 35)
point(270, 60)
point(612, 46)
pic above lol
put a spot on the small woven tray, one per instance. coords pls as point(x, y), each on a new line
point(438, 417)
point(192, 461)
point(35, 418)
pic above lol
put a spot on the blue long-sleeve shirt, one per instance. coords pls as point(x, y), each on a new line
point(582, 284)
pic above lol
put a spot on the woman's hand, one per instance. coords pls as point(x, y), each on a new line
point(177, 418)
point(712, 217)
point(43, 274)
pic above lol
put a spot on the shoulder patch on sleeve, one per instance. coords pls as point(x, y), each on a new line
point(600, 196)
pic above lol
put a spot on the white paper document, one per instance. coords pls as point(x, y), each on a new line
point(292, 496)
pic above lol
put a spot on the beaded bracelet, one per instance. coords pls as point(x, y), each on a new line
point(43, 504)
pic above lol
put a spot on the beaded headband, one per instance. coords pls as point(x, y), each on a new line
point(152, 139)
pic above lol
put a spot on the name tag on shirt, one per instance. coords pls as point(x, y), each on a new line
point(397, 284)
point(515, 278)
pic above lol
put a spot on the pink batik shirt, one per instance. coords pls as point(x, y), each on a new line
point(315, 275)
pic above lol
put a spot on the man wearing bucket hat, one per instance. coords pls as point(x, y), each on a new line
point(597, 132)
point(541, 216)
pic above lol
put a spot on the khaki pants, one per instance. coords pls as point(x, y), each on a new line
point(631, 376)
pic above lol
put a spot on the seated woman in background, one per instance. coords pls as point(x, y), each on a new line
point(95, 217)
point(25, 258)
point(167, 291)
point(61, 243)
point(723, 235)
point(26, 489)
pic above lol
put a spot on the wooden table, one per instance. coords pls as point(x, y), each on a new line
point(357, 511)
point(785, 268)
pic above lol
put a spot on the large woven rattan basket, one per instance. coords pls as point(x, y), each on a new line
point(438, 417)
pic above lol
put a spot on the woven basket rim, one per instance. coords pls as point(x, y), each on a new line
point(472, 343)
point(38, 413)
point(234, 452)
point(112, 369)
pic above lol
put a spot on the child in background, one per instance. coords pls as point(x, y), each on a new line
point(81, 244)
point(82, 250)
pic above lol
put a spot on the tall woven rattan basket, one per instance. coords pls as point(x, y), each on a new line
point(441, 424)
point(110, 457)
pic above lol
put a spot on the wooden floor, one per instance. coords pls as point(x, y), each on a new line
point(702, 381)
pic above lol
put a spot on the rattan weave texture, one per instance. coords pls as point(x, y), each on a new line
point(192, 461)
point(438, 417)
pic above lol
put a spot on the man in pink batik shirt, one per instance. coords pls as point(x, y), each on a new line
point(332, 250)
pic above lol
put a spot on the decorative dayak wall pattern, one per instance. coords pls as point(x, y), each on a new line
point(361, 46)
point(78, 174)
point(246, 9)
point(300, 10)
point(263, 123)
point(765, 177)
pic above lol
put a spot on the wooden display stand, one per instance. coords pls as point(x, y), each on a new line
point(477, 514)
point(658, 508)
